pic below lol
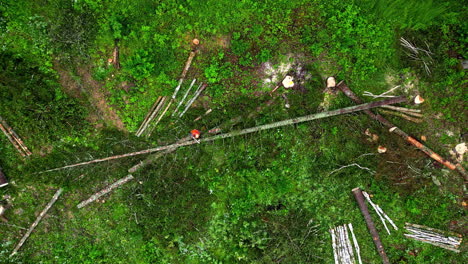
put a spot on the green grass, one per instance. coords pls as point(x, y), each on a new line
point(260, 198)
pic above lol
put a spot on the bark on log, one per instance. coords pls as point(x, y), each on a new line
point(153, 115)
point(370, 224)
point(14, 138)
point(190, 102)
point(184, 72)
point(150, 112)
point(287, 122)
point(345, 89)
point(159, 119)
point(402, 109)
point(104, 191)
point(152, 158)
point(402, 115)
point(38, 219)
point(115, 55)
point(184, 97)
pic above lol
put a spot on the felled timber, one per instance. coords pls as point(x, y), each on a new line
point(38, 219)
point(287, 122)
point(392, 128)
point(184, 72)
point(14, 138)
point(370, 224)
point(104, 191)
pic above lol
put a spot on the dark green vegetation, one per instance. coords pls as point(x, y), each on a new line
point(268, 197)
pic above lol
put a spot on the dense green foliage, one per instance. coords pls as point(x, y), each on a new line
point(268, 197)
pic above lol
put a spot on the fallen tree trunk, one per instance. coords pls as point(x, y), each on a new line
point(150, 112)
point(184, 72)
point(370, 224)
point(190, 102)
point(343, 87)
point(14, 138)
point(402, 115)
point(297, 120)
point(401, 109)
point(152, 158)
point(104, 191)
point(153, 115)
point(115, 55)
point(38, 219)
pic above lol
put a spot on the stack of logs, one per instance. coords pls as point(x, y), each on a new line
point(14, 138)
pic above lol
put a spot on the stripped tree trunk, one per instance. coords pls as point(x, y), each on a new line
point(184, 72)
point(184, 97)
point(115, 55)
point(153, 115)
point(38, 219)
point(189, 103)
point(401, 133)
point(287, 122)
point(402, 115)
point(14, 138)
point(370, 224)
point(150, 112)
point(401, 109)
point(104, 191)
point(152, 158)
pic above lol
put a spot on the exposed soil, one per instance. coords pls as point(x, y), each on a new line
point(85, 87)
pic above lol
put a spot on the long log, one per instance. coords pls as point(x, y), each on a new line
point(287, 122)
point(145, 120)
point(345, 89)
point(38, 219)
point(184, 97)
point(402, 115)
point(153, 115)
point(104, 191)
point(190, 102)
point(370, 224)
point(152, 158)
point(184, 72)
point(14, 138)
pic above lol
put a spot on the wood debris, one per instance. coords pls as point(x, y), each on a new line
point(370, 224)
point(195, 96)
point(38, 219)
point(184, 97)
point(14, 138)
point(392, 128)
point(287, 122)
point(382, 215)
point(104, 191)
point(343, 250)
point(434, 237)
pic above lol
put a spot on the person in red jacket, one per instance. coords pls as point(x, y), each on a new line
point(195, 134)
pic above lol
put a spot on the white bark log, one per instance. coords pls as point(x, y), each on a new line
point(105, 191)
point(38, 219)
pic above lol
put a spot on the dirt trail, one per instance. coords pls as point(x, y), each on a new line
point(84, 86)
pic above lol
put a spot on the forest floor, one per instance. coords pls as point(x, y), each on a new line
point(266, 197)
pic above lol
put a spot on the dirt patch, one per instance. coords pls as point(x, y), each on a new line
point(83, 86)
point(97, 98)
